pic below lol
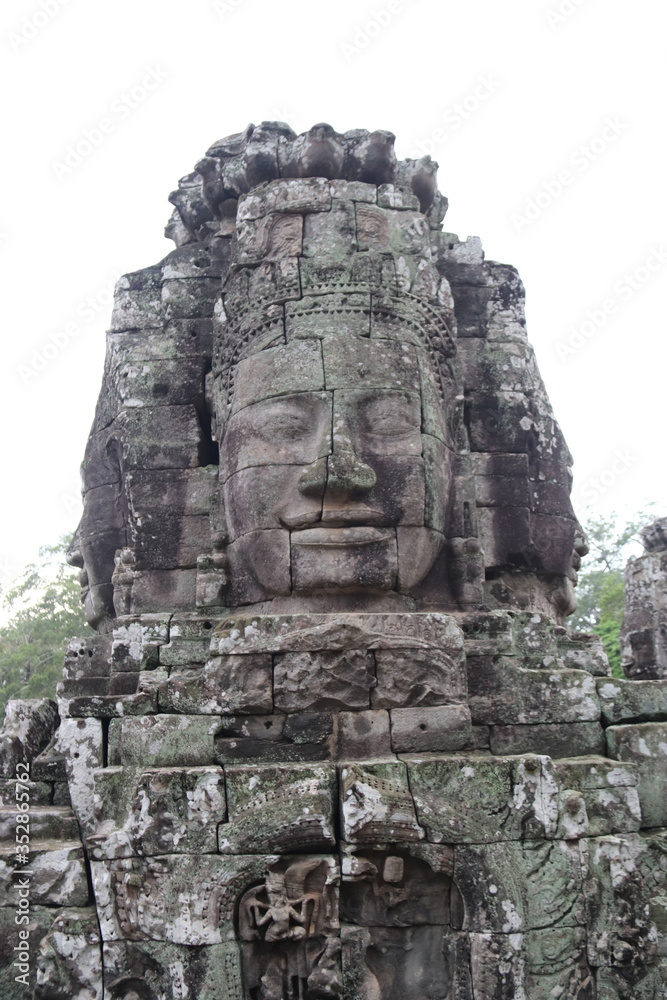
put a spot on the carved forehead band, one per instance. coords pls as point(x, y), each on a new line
point(410, 318)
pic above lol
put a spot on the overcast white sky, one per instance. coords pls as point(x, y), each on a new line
point(557, 103)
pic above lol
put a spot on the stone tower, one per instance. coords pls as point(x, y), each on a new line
point(333, 739)
point(644, 632)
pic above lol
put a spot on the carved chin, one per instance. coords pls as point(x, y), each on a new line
point(360, 558)
point(349, 558)
point(418, 548)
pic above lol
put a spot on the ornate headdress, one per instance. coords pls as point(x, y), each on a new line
point(331, 234)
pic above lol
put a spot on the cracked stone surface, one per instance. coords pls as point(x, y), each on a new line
point(333, 739)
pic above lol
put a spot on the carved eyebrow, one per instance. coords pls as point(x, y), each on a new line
point(397, 402)
point(290, 400)
point(295, 398)
point(398, 406)
point(287, 406)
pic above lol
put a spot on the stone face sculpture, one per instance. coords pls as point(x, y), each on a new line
point(385, 442)
point(336, 464)
point(644, 632)
point(333, 738)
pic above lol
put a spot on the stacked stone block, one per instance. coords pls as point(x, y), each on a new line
point(545, 847)
point(644, 630)
point(333, 740)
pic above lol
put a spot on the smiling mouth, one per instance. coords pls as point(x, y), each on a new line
point(339, 538)
point(357, 515)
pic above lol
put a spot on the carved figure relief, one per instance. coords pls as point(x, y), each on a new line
point(398, 923)
point(289, 932)
point(328, 544)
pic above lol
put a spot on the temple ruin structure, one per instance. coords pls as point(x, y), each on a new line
point(644, 631)
point(333, 739)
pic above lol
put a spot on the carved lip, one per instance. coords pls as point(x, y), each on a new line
point(339, 517)
point(341, 538)
point(353, 515)
point(301, 519)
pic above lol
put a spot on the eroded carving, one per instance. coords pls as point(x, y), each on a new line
point(399, 922)
point(327, 503)
point(289, 932)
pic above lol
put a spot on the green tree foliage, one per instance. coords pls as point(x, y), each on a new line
point(41, 611)
point(601, 579)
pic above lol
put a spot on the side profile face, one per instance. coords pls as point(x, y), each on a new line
point(331, 481)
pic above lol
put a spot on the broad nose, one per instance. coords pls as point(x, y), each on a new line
point(347, 475)
point(342, 473)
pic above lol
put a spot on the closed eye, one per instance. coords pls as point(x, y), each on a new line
point(287, 423)
point(391, 417)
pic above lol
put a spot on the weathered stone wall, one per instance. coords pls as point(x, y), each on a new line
point(333, 739)
point(344, 259)
point(476, 799)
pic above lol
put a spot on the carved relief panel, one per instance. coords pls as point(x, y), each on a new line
point(289, 932)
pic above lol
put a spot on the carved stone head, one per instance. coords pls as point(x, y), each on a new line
point(335, 399)
point(322, 401)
